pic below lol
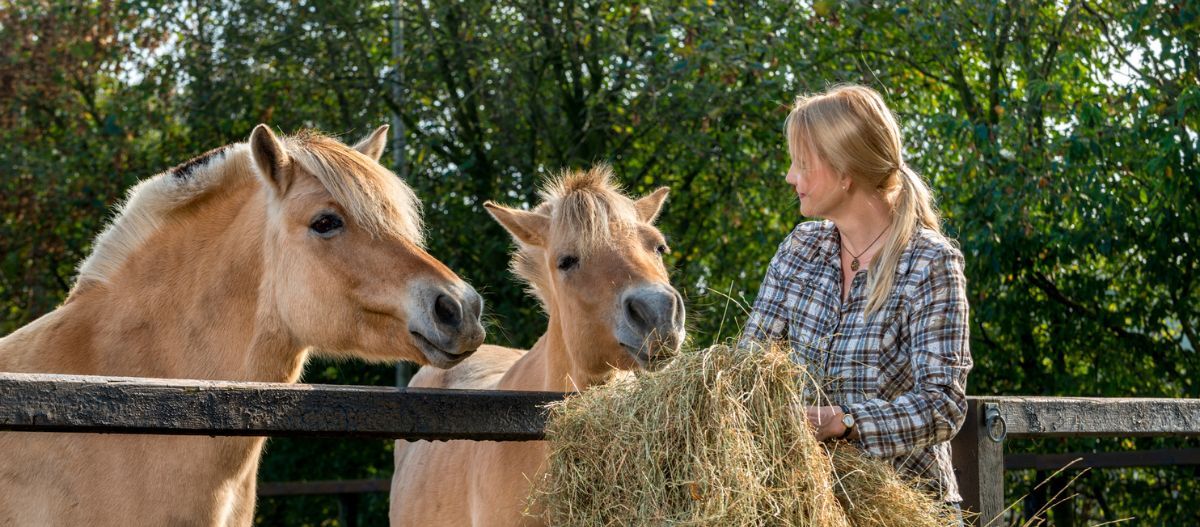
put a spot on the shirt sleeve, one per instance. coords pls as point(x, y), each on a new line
point(769, 317)
point(935, 408)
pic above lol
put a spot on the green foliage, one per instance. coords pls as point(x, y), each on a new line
point(1061, 139)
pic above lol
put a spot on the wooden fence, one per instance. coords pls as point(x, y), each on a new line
point(60, 403)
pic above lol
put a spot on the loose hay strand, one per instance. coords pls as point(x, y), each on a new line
point(712, 440)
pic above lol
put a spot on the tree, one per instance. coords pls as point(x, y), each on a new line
point(1060, 137)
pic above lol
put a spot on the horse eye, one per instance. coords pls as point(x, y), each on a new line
point(326, 225)
point(662, 249)
point(567, 262)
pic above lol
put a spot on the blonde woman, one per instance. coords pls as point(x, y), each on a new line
point(873, 295)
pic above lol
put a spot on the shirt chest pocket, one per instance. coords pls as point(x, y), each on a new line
point(806, 330)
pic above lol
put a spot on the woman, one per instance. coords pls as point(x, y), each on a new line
point(873, 297)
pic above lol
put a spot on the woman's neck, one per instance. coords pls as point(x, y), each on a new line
point(861, 220)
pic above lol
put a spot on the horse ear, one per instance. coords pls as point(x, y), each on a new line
point(372, 145)
point(650, 205)
point(270, 157)
point(529, 228)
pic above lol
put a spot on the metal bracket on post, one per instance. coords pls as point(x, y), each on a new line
point(993, 422)
point(978, 452)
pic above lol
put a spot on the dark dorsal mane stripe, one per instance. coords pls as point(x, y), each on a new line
point(184, 170)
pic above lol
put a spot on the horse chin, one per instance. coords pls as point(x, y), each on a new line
point(645, 360)
point(437, 357)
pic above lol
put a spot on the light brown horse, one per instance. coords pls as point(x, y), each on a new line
point(594, 259)
point(236, 265)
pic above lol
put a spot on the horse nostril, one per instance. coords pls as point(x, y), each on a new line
point(447, 311)
point(639, 314)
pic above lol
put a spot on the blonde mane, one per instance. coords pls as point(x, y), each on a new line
point(586, 205)
point(371, 195)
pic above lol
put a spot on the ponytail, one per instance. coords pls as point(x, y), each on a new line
point(912, 209)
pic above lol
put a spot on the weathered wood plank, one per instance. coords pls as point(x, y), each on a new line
point(1098, 417)
point(1140, 458)
point(60, 403)
point(134, 405)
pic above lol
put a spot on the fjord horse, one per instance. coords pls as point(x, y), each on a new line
point(237, 265)
point(594, 259)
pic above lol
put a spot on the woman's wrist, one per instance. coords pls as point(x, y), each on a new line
point(826, 422)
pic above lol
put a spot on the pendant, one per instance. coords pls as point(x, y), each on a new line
point(854, 264)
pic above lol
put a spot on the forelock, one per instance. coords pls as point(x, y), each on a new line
point(586, 207)
point(371, 195)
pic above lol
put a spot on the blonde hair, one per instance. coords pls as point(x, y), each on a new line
point(851, 129)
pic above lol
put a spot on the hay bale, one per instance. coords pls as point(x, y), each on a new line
point(710, 440)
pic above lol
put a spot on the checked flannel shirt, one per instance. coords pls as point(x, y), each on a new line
point(902, 373)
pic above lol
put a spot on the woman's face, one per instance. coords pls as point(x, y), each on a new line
point(817, 185)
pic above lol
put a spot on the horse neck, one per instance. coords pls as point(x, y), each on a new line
point(551, 365)
point(189, 302)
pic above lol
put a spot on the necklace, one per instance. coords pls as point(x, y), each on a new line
point(854, 257)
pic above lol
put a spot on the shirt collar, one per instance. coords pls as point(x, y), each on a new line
point(829, 249)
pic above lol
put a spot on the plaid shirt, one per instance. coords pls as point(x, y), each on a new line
point(902, 373)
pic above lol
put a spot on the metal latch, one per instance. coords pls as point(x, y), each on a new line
point(994, 423)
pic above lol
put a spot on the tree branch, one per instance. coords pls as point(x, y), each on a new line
point(1106, 32)
point(996, 70)
point(1043, 282)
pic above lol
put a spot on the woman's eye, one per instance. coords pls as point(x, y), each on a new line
point(567, 262)
point(662, 249)
point(326, 225)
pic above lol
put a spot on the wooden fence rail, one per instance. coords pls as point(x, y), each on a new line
point(127, 405)
point(978, 449)
point(61, 403)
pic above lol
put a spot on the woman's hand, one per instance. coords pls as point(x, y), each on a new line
point(826, 422)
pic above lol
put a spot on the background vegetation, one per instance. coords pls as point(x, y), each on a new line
point(1061, 138)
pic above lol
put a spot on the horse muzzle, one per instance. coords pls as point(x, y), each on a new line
point(446, 325)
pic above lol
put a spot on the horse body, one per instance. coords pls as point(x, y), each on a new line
point(592, 257)
point(223, 269)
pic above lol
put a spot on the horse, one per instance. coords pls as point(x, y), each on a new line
point(593, 259)
point(236, 265)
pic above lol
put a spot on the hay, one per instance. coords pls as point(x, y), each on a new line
point(874, 495)
point(710, 440)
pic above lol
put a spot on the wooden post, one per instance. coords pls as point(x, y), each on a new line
point(979, 467)
point(348, 510)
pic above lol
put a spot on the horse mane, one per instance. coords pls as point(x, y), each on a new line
point(371, 195)
point(585, 204)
